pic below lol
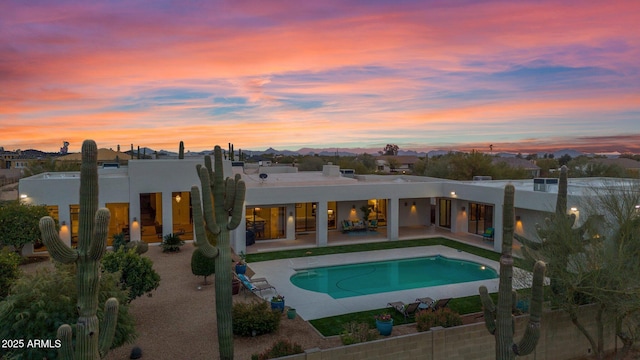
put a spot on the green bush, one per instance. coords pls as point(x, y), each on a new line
point(446, 317)
point(39, 303)
point(279, 349)
point(136, 272)
point(202, 265)
point(356, 332)
point(9, 271)
point(118, 241)
point(171, 243)
point(19, 224)
point(254, 318)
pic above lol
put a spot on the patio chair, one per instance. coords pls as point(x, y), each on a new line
point(488, 234)
point(257, 285)
point(407, 310)
point(427, 302)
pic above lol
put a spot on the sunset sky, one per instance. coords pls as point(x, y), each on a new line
point(521, 75)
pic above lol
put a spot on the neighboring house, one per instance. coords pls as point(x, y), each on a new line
point(151, 198)
point(396, 164)
point(514, 162)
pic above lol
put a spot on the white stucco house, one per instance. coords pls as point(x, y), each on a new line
point(151, 198)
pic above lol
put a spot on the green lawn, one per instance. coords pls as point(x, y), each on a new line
point(334, 325)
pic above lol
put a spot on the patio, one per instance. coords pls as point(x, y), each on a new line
point(337, 238)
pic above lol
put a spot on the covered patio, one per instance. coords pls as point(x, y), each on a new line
point(337, 238)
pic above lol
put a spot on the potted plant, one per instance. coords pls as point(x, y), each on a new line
point(277, 303)
point(241, 265)
point(384, 324)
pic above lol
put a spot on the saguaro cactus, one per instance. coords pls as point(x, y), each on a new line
point(181, 150)
point(92, 341)
point(218, 214)
point(499, 321)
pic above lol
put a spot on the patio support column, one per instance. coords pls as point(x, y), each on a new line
point(321, 223)
point(291, 222)
point(497, 226)
point(393, 209)
point(238, 236)
point(167, 213)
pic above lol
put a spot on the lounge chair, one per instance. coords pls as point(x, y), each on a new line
point(255, 285)
point(427, 302)
point(440, 304)
point(407, 310)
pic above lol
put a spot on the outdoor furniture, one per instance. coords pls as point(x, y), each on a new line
point(255, 285)
point(425, 302)
point(488, 234)
point(407, 310)
point(440, 304)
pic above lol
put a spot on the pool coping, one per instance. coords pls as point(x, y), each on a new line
point(313, 305)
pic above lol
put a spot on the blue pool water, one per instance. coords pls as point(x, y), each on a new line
point(343, 281)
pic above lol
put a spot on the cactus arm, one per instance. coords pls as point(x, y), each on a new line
point(207, 202)
point(230, 193)
point(489, 310)
point(531, 335)
point(58, 250)
point(201, 235)
point(222, 215)
point(238, 204)
point(100, 232)
point(64, 334)
point(108, 326)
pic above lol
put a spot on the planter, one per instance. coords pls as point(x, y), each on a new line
point(277, 306)
point(291, 313)
point(384, 327)
point(241, 269)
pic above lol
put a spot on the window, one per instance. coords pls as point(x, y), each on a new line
point(444, 206)
point(480, 217)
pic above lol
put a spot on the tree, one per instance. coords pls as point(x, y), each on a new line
point(390, 149)
point(19, 224)
point(202, 265)
point(310, 163)
point(136, 272)
point(596, 262)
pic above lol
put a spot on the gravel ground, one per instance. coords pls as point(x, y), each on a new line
point(178, 320)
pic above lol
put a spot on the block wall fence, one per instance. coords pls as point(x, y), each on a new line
point(560, 340)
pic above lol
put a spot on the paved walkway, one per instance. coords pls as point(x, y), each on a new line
point(312, 305)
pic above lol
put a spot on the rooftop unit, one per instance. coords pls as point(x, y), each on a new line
point(544, 184)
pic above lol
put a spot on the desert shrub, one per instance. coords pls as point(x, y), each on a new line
point(9, 271)
point(39, 303)
point(355, 332)
point(446, 317)
point(279, 349)
point(202, 265)
point(254, 318)
point(118, 241)
point(136, 272)
point(171, 243)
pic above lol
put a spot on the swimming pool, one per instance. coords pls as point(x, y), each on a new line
point(343, 281)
